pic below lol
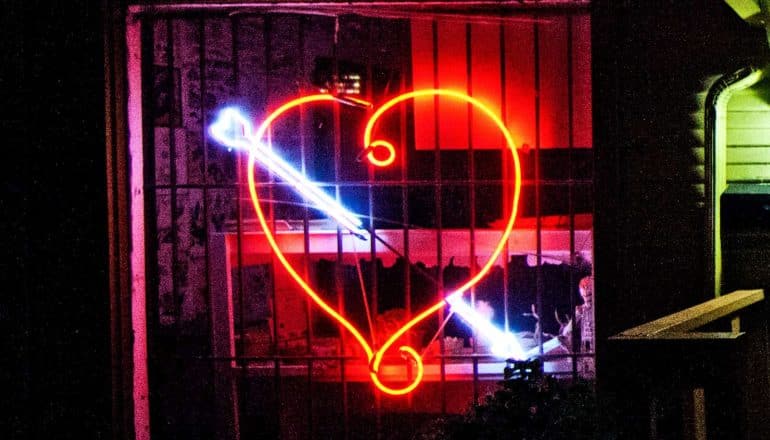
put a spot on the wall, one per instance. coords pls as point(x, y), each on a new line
point(652, 63)
point(194, 65)
point(748, 135)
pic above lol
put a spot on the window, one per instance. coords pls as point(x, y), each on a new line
point(236, 345)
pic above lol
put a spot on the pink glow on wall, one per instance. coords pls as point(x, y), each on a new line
point(138, 283)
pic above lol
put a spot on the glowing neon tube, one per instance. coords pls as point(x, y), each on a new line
point(504, 344)
point(547, 346)
point(368, 143)
point(233, 130)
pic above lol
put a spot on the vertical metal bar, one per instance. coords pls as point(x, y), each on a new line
point(374, 276)
point(174, 187)
point(471, 198)
point(574, 350)
point(437, 187)
point(302, 23)
point(266, 32)
point(374, 279)
point(403, 142)
point(370, 186)
point(338, 279)
point(339, 287)
point(239, 391)
point(538, 219)
point(204, 142)
point(404, 185)
point(506, 163)
point(238, 207)
point(172, 177)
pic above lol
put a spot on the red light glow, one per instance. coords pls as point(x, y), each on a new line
point(376, 357)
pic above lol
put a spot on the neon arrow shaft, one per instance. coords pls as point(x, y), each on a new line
point(309, 190)
point(503, 343)
point(233, 130)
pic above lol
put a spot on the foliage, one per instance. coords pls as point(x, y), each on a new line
point(528, 406)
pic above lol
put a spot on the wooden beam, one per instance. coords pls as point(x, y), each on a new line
point(682, 336)
point(694, 317)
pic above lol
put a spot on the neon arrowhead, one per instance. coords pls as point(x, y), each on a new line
point(232, 130)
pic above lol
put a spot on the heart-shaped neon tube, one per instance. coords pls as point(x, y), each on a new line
point(233, 140)
point(406, 351)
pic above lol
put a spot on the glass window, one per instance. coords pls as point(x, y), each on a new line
point(267, 313)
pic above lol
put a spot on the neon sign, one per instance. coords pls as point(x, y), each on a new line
point(234, 131)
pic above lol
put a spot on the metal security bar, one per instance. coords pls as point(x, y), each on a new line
point(234, 352)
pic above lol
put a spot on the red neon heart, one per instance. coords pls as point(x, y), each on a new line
point(375, 357)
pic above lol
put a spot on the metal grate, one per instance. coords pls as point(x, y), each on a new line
point(236, 351)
